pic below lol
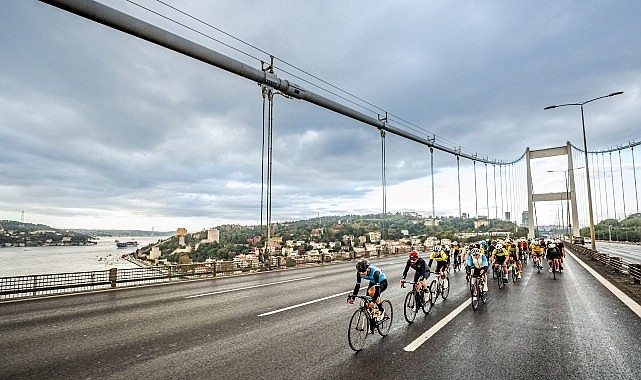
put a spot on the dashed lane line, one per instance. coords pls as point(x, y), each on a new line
point(248, 287)
point(303, 304)
point(629, 302)
point(434, 329)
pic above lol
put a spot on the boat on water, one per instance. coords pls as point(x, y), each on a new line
point(125, 244)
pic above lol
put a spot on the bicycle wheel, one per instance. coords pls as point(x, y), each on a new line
point(427, 301)
point(434, 291)
point(446, 288)
point(483, 292)
point(500, 279)
point(514, 273)
point(358, 330)
point(411, 307)
point(475, 296)
point(385, 325)
point(553, 271)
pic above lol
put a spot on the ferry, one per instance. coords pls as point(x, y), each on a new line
point(131, 243)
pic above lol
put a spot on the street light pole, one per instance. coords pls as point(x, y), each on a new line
point(585, 151)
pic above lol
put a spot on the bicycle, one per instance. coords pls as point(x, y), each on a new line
point(440, 286)
point(457, 262)
point(514, 271)
point(499, 275)
point(365, 321)
point(537, 262)
point(415, 299)
point(477, 292)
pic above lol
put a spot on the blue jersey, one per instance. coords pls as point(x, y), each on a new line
point(479, 262)
point(375, 275)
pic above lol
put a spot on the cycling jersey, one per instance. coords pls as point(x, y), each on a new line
point(477, 262)
point(376, 279)
point(536, 250)
point(420, 266)
point(500, 252)
point(438, 256)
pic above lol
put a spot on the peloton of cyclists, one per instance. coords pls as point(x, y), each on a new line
point(377, 284)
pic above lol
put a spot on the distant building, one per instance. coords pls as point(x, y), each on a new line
point(481, 222)
point(213, 235)
point(508, 215)
point(524, 218)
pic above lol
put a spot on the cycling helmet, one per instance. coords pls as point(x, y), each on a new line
point(437, 248)
point(471, 246)
point(552, 245)
point(413, 255)
point(455, 242)
point(475, 251)
point(362, 265)
point(499, 246)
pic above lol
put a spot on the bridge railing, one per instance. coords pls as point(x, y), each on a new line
point(616, 263)
point(59, 283)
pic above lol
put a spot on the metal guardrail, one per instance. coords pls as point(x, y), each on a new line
point(617, 263)
point(63, 283)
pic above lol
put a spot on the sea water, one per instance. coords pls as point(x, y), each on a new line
point(24, 261)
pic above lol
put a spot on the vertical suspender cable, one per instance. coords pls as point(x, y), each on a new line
point(458, 170)
point(270, 135)
point(634, 171)
point(614, 198)
point(622, 187)
point(496, 204)
point(605, 189)
point(384, 183)
point(262, 166)
point(487, 193)
point(432, 167)
point(476, 199)
point(596, 178)
point(502, 196)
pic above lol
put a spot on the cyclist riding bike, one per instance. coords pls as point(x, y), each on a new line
point(455, 252)
point(377, 284)
point(477, 261)
point(442, 261)
point(536, 252)
point(421, 271)
point(561, 247)
point(514, 258)
point(467, 253)
point(499, 258)
point(553, 255)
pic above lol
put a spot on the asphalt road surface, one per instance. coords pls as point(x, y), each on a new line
point(293, 324)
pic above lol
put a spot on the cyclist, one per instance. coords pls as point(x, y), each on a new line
point(467, 253)
point(514, 257)
point(456, 252)
point(499, 258)
point(536, 252)
point(553, 255)
point(421, 271)
point(377, 284)
point(441, 258)
point(561, 247)
point(446, 249)
point(478, 262)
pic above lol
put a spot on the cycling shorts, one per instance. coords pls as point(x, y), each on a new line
point(500, 259)
point(383, 286)
point(477, 271)
point(440, 265)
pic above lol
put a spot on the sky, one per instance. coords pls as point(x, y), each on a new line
point(100, 129)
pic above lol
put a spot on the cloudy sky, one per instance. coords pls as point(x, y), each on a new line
point(99, 129)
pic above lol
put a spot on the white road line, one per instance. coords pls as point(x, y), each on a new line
point(249, 287)
point(629, 302)
point(303, 304)
point(434, 329)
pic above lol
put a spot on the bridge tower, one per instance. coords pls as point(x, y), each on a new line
point(570, 192)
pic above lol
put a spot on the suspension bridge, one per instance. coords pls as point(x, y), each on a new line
point(249, 326)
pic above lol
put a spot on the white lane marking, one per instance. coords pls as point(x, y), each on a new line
point(434, 329)
point(303, 304)
point(248, 287)
point(629, 302)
